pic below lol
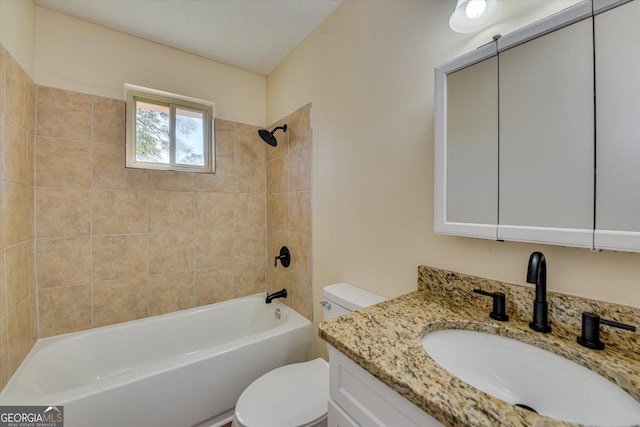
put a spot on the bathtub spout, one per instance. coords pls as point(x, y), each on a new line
point(279, 294)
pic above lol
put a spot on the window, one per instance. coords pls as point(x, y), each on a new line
point(169, 132)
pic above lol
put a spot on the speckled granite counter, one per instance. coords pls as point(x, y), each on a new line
point(385, 340)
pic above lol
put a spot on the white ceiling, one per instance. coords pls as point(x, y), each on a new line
point(254, 35)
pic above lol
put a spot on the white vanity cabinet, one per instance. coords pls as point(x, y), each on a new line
point(357, 398)
point(617, 35)
point(568, 133)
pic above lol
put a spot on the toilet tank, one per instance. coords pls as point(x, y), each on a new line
point(343, 298)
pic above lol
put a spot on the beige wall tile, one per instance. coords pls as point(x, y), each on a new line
point(214, 210)
point(278, 211)
point(248, 143)
point(171, 292)
point(170, 252)
point(224, 133)
point(4, 353)
point(109, 169)
point(18, 214)
point(282, 149)
point(63, 261)
point(20, 273)
point(171, 181)
point(21, 332)
point(278, 278)
point(3, 233)
point(3, 287)
point(214, 285)
point(222, 181)
point(214, 247)
point(64, 114)
point(66, 309)
point(31, 105)
point(278, 175)
point(170, 211)
point(3, 67)
point(2, 119)
point(63, 163)
point(250, 279)
point(63, 212)
point(300, 296)
point(249, 175)
point(300, 248)
point(16, 92)
point(18, 154)
point(249, 244)
point(108, 120)
point(277, 239)
point(249, 210)
point(300, 212)
point(119, 257)
point(300, 170)
point(119, 301)
point(300, 129)
point(119, 211)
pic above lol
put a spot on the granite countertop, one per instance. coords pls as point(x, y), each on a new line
point(384, 339)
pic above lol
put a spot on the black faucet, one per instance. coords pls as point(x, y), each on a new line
point(279, 294)
point(537, 273)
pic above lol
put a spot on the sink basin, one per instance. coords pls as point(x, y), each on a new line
point(532, 378)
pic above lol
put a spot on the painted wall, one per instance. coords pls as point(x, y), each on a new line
point(17, 32)
point(368, 69)
point(76, 55)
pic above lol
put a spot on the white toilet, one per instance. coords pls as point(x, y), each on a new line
point(296, 395)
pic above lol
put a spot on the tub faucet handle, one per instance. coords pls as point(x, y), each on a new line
point(284, 257)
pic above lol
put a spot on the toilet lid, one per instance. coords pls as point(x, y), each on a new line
point(292, 395)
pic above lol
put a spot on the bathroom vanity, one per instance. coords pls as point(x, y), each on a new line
point(382, 375)
point(522, 151)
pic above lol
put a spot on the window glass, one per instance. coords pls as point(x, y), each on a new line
point(189, 137)
point(152, 132)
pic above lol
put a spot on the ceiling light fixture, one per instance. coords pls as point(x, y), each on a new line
point(473, 15)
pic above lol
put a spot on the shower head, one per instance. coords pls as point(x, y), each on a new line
point(268, 136)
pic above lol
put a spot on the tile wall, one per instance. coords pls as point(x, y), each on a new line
point(116, 244)
point(17, 260)
point(86, 242)
point(289, 209)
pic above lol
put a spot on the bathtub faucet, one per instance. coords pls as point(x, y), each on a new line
point(279, 294)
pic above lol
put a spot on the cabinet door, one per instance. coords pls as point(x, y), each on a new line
point(546, 160)
point(617, 35)
point(467, 147)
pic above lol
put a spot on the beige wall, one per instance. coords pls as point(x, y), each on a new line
point(17, 259)
point(17, 32)
point(289, 209)
point(116, 244)
point(368, 69)
point(76, 55)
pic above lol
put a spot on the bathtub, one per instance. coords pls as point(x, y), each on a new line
point(180, 369)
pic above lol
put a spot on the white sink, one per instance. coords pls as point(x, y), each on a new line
point(525, 375)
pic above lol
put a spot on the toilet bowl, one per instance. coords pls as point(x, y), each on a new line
point(297, 395)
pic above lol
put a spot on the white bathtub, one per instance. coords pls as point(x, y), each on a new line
point(179, 369)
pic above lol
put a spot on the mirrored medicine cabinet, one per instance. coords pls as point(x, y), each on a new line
point(522, 151)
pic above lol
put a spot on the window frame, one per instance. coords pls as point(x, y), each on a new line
point(136, 94)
